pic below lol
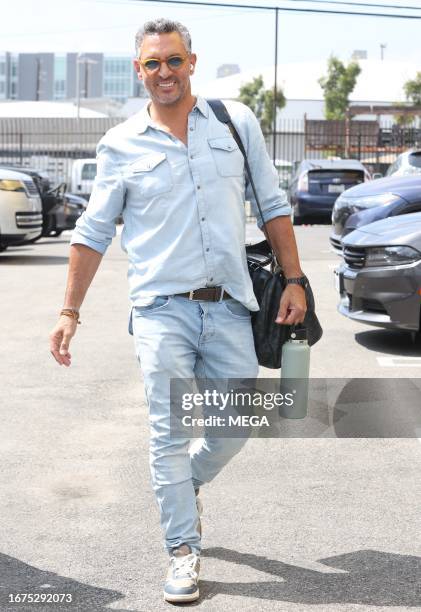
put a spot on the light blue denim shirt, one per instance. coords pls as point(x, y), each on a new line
point(182, 206)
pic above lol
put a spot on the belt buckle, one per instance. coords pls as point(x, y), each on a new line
point(221, 297)
point(191, 293)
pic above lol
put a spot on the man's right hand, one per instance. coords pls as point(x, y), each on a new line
point(60, 338)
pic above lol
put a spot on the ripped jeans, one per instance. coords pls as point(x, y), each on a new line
point(180, 338)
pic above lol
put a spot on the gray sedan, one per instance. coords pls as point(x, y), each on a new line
point(380, 280)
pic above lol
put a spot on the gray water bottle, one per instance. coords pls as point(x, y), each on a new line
point(296, 366)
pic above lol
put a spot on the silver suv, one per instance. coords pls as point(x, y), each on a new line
point(406, 163)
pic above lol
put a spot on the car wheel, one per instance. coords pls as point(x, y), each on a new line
point(298, 220)
point(56, 233)
point(416, 338)
point(3, 247)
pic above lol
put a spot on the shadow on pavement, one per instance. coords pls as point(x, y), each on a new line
point(394, 342)
point(372, 578)
point(19, 577)
point(32, 260)
point(378, 408)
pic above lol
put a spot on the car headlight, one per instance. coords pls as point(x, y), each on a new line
point(380, 199)
point(9, 185)
point(391, 256)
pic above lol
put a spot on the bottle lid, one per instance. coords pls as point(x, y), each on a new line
point(299, 332)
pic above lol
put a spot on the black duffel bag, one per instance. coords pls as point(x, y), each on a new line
point(268, 287)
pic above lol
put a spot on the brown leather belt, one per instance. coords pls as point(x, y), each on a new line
point(206, 294)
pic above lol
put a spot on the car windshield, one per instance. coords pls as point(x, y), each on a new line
point(88, 172)
point(415, 159)
point(346, 175)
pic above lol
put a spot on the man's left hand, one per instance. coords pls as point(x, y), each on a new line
point(292, 308)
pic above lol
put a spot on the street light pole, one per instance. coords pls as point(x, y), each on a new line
point(275, 86)
point(78, 85)
point(38, 86)
point(85, 61)
point(382, 48)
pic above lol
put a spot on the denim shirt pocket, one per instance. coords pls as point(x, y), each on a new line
point(150, 175)
point(228, 158)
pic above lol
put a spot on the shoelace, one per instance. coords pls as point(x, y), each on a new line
point(184, 565)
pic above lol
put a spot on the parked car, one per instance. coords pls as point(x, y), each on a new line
point(82, 176)
point(364, 204)
point(379, 281)
point(317, 183)
point(20, 209)
point(284, 169)
point(68, 212)
point(406, 163)
point(60, 209)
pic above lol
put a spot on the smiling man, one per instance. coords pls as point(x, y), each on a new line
point(176, 175)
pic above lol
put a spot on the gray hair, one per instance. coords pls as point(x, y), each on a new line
point(163, 26)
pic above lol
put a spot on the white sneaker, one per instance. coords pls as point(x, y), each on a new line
point(183, 576)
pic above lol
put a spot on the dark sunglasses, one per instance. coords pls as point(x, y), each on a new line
point(174, 62)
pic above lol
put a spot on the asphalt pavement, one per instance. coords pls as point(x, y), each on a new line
point(302, 524)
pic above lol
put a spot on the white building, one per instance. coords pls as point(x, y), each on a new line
point(31, 109)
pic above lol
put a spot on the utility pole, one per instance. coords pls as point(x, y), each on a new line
point(86, 61)
point(382, 48)
point(275, 86)
point(38, 78)
point(78, 60)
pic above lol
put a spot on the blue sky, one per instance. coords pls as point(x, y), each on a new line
point(220, 35)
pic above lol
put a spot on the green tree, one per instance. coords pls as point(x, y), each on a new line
point(412, 90)
point(260, 101)
point(402, 119)
point(337, 85)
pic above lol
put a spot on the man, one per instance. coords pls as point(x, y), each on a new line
point(177, 176)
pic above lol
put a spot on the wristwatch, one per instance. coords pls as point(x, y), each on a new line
point(299, 280)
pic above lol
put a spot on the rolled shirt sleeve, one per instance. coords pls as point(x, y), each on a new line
point(96, 227)
point(273, 200)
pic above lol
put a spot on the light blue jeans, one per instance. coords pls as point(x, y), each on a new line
point(179, 338)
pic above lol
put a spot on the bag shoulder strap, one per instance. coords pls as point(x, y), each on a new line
point(222, 114)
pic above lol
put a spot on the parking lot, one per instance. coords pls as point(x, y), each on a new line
point(291, 524)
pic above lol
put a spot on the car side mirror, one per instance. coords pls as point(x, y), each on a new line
point(377, 175)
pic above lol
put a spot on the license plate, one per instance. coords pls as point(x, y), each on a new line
point(335, 188)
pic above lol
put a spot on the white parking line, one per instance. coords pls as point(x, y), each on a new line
point(399, 362)
point(332, 266)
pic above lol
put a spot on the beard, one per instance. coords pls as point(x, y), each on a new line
point(161, 97)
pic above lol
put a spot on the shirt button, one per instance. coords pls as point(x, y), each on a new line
point(211, 278)
point(202, 219)
point(198, 187)
point(207, 249)
point(191, 156)
point(191, 128)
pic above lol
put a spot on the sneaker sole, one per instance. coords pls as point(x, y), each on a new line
point(172, 598)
